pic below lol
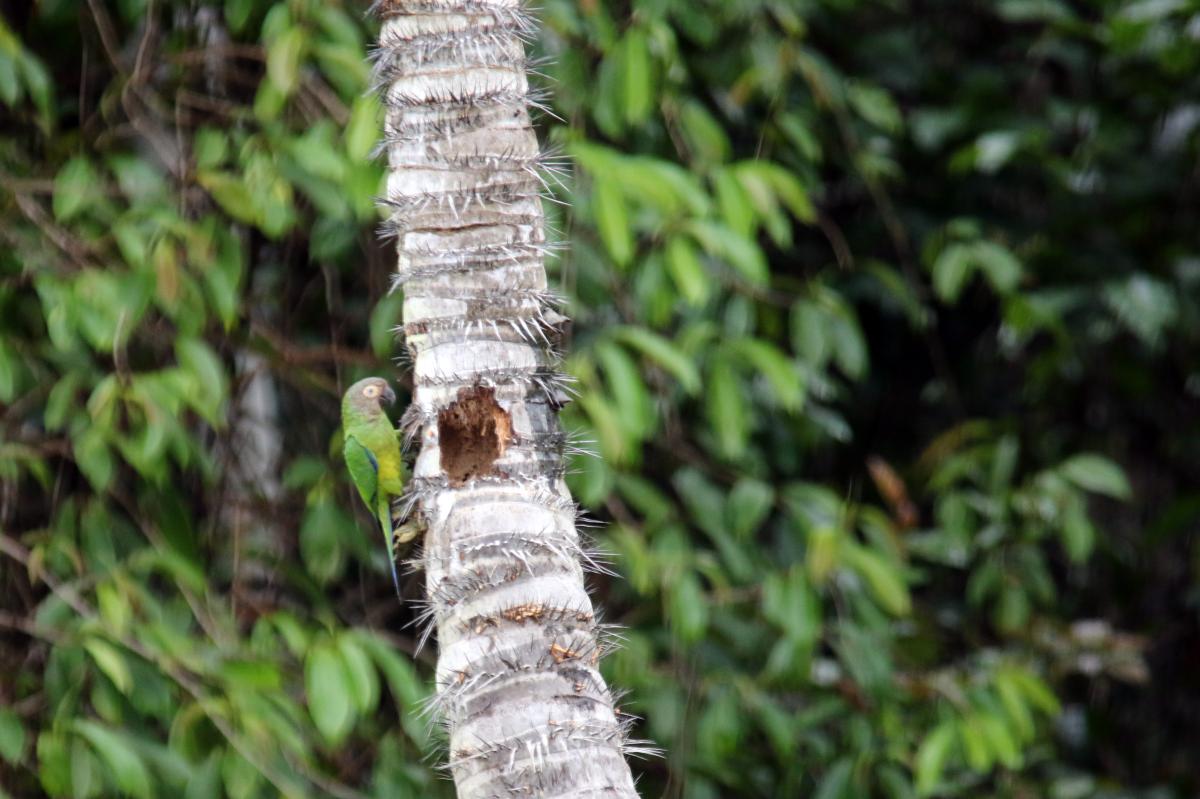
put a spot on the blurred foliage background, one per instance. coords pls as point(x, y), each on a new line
point(887, 314)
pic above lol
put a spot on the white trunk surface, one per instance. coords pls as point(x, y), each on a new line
point(527, 711)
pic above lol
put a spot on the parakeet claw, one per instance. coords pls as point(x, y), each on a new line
point(407, 532)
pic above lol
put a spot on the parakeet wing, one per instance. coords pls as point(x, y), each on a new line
point(364, 470)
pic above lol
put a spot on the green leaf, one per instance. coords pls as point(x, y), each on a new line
point(119, 754)
point(994, 149)
point(1004, 464)
point(269, 102)
point(951, 271)
point(10, 87)
point(1036, 691)
point(403, 680)
point(109, 304)
point(231, 193)
point(689, 274)
point(210, 147)
point(251, 674)
point(789, 603)
point(735, 203)
point(223, 276)
point(876, 106)
point(776, 723)
point(849, 345)
point(315, 153)
point(782, 374)
point(797, 128)
point(133, 241)
point(327, 684)
point(609, 92)
point(54, 765)
point(999, 266)
point(1097, 474)
point(1078, 533)
point(1000, 740)
point(645, 497)
point(75, 187)
point(748, 506)
point(139, 180)
point(242, 780)
point(114, 607)
point(899, 294)
point(823, 552)
point(705, 505)
point(344, 66)
point(273, 194)
point(384, 319)
point(664, 353)
point(208, 382)
point(362, 131)
point(408, 690)
point(331, 238)
point(294, 634)
point(703, 499)
point(809, 327)
point(957, 262)
point(612, 220)
point(720, 727)
point(790, 191)
point(10, 369)
point(205, 782)
point(12, 736)
point(706, 138)
point(651, 183)
point(40, 88)
point(660, 185)
point(1015, 705)
point(637, 76)
point(636, 410)
point(975, 744)
point(1011, 612)
point(1034, 11)
point(689, 608)
point(339, 26)
point(836, 782)
point(110, 661)
point(726, 409)
point(895, 783)
point(283, 60)
point(885, 580)
point(930, 761)
point(866, 655)
point(738, 251)
point(320, 540)
point(1146, 306)
point(85, 767)
point(609, 432)
point(94, 458)
point(364, 680)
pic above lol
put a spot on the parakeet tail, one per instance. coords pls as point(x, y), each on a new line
point(385, 522)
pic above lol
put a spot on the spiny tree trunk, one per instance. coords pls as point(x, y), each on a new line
point(518, 687)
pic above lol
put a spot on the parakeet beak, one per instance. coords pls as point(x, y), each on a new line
point(389, 396)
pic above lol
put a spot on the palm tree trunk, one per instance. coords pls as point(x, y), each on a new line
point(518, 687)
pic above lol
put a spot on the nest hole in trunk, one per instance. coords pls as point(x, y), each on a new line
point(473, 432)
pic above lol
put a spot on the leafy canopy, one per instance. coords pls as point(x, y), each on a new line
point(871, 299)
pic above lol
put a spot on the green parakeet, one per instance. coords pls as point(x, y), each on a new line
point(372, 454)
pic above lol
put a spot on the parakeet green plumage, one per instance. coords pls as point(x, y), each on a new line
point(372, 454)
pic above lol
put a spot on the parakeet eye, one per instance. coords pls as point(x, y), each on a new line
point(371, 392)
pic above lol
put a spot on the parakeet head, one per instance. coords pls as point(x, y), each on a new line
point(365, 398)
